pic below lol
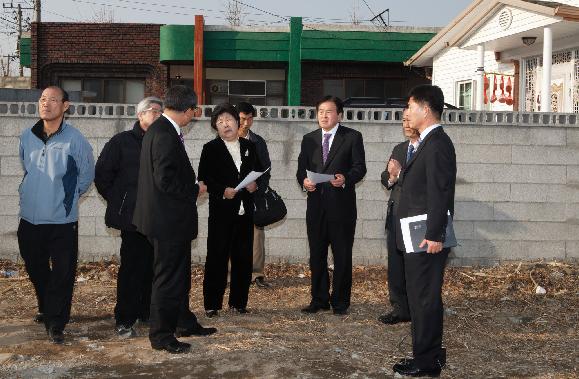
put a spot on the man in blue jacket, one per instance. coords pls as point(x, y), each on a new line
point(58, 168)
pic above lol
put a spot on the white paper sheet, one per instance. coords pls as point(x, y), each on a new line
point(316, 178)
point(251, 177)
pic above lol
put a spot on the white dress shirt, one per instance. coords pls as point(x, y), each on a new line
point(426, 131)
point(234, 149)
point(175, 125)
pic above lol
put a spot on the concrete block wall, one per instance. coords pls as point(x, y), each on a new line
point(517, 193)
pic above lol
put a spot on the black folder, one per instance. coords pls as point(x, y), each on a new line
point(414, 230)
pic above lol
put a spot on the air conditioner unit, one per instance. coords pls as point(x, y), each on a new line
point(218, 87)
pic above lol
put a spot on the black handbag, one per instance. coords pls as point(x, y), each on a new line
point(268, 208)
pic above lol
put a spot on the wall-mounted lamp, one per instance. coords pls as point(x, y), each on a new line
point(529, 40)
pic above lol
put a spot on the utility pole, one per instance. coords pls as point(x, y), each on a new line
point(19, 9)
point(19, 16)
point(37, 10)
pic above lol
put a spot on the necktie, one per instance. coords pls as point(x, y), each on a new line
point(181, 138)
point(326, 147)
point(410, 152)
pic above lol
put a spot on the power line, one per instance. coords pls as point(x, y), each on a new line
point(150, 10)
point(264, 11)
point(371, 11)
point(60, 15)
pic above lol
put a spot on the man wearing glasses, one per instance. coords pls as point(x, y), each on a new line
point(58, 168)
point(116, 177)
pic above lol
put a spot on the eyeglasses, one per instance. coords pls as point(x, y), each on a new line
point(154, 110)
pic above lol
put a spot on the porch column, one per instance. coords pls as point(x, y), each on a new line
point(547, 66)
point(294, 75)
point(198, 60)
point(480, 74)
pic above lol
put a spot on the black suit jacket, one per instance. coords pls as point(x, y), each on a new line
point(399, 153)
point(167, 191)
point(427, 185)
point(263, 156)
point(346, 157)
point(218, 171)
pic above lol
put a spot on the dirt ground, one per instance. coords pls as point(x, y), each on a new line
point(496, 326)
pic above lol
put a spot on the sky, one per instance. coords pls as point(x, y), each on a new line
point(254, 12)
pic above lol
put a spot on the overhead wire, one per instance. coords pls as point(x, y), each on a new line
point(44, 9)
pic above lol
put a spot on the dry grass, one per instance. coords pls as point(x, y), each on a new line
point(495, 326)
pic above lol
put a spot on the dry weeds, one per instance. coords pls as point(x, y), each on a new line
point(495, 326)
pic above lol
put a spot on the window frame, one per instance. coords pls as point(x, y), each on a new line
point(460, 83)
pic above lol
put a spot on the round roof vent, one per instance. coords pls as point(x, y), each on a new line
point(505, 19)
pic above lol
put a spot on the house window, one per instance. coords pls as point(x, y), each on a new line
point(382, 88)
point(334, 87)
point(99, 90)
point(464, 95)
point(256, 92)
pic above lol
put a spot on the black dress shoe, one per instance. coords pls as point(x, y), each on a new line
point(392, 318)
point(175, 347)
point(55, 336)
point(314, 308)
point(196, 330)
point(340, 312)
point(261, 283)
point(409, 369)
point(39, 318)
point(241, 311)
point(211, 313)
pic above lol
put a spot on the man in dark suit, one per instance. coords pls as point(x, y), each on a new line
point(426, 187)
point(401, 154)
point(246, 114)
point(166, 212)
point(331, 206)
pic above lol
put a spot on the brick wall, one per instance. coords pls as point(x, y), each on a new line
point(63, 49)
point(517, 194)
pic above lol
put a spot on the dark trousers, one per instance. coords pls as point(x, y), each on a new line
point(396, 273)
point(135, 279)
point(424, 278)
point(170, 291)
point(228, 239)
point(340, 236)
point(50, 253)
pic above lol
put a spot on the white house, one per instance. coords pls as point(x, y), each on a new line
point(530, 46)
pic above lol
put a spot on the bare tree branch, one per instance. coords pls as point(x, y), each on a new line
point(233, 12)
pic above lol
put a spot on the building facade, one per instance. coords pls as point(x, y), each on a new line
point(288, 65)
point(508, 55)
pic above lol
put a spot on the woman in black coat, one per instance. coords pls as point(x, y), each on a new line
point(225, 162)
